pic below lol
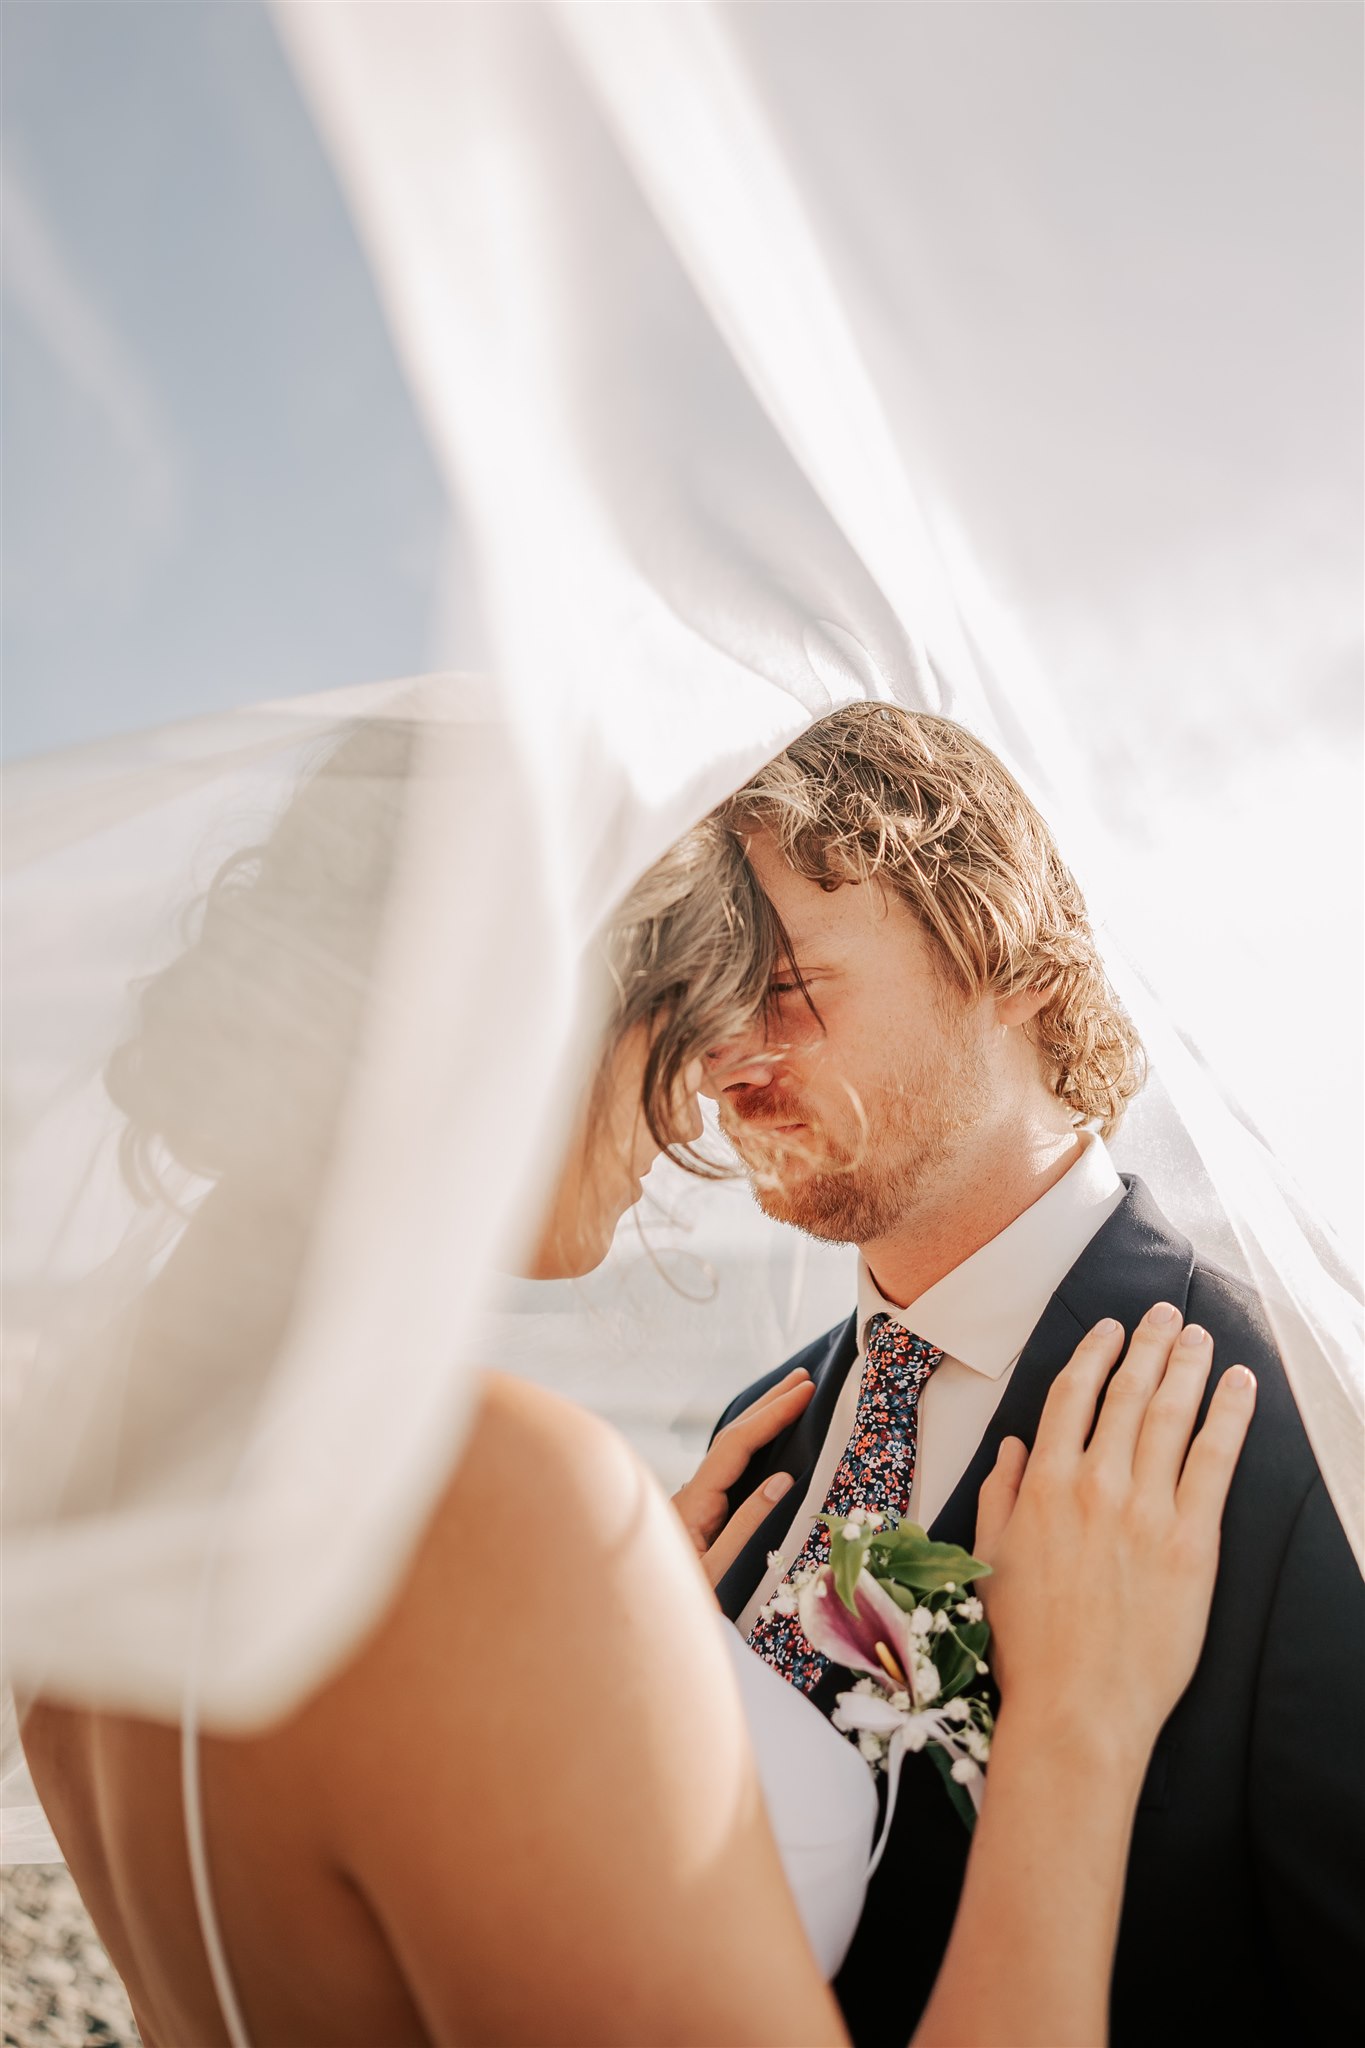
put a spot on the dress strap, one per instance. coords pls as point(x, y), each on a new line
point(224, 1988)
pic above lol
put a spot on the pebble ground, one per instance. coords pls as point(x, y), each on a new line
point(58, 1988)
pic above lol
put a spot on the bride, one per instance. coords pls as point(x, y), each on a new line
point(528, 1808)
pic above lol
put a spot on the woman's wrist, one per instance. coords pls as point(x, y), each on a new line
point(1029, 1960)
point(1079, 1739)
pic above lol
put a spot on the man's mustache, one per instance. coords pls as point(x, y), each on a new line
point(769, 1106)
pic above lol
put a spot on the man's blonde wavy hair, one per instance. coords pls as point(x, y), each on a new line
point(919, 804)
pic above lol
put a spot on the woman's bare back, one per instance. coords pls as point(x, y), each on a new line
point(306, 1951)
point(540, 1741)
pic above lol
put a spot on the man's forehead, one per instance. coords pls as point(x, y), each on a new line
point(811, 915)
point(842, 918)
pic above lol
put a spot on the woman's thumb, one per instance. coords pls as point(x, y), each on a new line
point(745, 1522)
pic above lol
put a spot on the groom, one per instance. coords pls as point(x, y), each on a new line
point(941, 1056)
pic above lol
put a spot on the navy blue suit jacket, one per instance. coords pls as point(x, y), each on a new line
point(1244, 1913)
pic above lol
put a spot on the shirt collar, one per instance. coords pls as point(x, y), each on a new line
point(983, 1312)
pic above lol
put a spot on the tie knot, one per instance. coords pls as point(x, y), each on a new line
point(898, 1352)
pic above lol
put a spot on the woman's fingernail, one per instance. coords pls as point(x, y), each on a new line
point(1192, 1335)
point(1240, 1380)
point(1109, 1328)
point(774, 1488)
point(1163, 1313)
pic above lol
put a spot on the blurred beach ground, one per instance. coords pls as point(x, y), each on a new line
point(58, 1988)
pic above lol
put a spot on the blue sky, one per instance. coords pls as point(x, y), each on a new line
point(215, 486)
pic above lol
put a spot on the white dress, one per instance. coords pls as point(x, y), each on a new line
point(821, 1801)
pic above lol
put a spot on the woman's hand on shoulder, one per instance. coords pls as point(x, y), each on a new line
point(1104, 1540)
point(701, 1504)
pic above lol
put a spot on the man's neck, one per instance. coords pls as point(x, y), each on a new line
point(960, 1213)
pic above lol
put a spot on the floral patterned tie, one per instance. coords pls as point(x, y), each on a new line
point(877, 1471)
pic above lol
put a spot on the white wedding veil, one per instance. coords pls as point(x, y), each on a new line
point(774, 358)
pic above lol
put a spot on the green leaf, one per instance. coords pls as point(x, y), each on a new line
point(957, 1656)
point(959, 1795)
point(956, 1669)
point(905, 1597)
point(907, 1556)
point(846, 1556)
point(907, 1539)
point(975, 1636)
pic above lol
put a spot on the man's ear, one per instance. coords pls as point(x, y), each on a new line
point(1022, 1006)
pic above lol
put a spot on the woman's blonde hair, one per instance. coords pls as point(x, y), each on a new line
point(691, 954)
point(921, 805)
point(250, 1030)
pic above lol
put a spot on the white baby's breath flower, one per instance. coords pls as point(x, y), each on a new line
point(981, 1669)
point(965, 1771)
point(958, 1710)
point(950, 1585)
point(970, 1610)
point(916, 1735)
point(850, 1531)
point(870, 1746)
point(977, 1744)
point(941, 1623)
point(926, 1683)
point(901, 1702)
point(921, 1622)
point(783, 1603)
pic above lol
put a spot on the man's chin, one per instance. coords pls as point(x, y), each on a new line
point(817, 1204)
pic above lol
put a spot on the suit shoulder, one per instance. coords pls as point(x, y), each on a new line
point(821, 1349)
point(1235, 1316)
point(1230, 1307)
point(1278, 1461)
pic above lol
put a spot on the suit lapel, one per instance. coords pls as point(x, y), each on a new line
point(1018, 1413)
point(1133, 1261)
point(797, 1453)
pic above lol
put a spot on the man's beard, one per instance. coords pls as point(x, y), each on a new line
point(865, 1181)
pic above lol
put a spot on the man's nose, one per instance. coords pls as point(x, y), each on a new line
point(739, 1063)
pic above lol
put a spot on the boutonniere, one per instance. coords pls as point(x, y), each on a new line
point(896, 1607)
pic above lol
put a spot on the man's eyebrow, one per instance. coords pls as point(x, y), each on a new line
point(806, 960)
point(797, 941)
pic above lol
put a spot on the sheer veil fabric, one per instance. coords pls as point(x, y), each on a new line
point(705, 378)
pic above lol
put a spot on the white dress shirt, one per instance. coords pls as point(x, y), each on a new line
point(980, 1316)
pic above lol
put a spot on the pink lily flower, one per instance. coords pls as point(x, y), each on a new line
point(878, 1639)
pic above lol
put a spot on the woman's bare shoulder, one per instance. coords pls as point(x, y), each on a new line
point(547, 1454)
point(542, 1486)
point(547, 1518)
